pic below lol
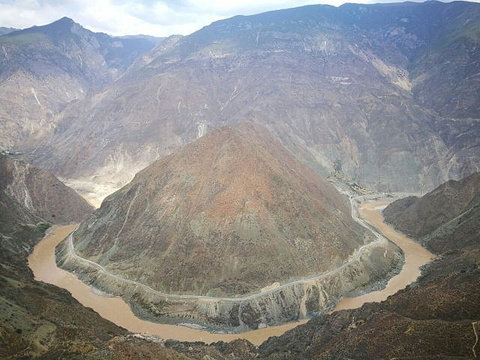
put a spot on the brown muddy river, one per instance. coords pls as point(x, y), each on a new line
point(42, 263)
point(415, 257)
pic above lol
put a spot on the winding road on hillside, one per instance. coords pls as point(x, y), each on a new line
point(358, 253)
point(42, 262)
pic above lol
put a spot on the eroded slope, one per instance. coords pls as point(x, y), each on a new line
point(229, 214)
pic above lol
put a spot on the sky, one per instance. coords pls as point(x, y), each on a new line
point(148, 17)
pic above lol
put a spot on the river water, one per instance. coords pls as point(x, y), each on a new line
point(42, 263)
point(415, 257)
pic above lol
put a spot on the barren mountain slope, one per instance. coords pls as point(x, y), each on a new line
point(450, 215)
point(436, 317)
point(386, 93)
point(38, 320)
point(229, 214)
point(39, 193)
point(43, 68)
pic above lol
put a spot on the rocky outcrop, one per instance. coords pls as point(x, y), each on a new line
point(364, 89)
point(38, 195)
point(230, 231)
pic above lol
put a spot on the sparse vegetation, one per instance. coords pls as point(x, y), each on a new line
point(43, 226)
point(153, 308)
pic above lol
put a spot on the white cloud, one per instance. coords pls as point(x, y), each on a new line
point(152, 17)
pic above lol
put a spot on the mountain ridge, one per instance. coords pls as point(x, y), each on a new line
point(360, 86)
point(44, 68)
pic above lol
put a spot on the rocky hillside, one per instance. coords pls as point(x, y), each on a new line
point(386, 94)
point(37, 194)
point(44, 68)
point(30, 201)
point(38, 320)
point(450, 215)
point(436, 317)
point(231, 214)
point(214, 217)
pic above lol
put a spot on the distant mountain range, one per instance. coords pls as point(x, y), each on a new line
point(387, 94)
point(6, 30)
point(44, 68)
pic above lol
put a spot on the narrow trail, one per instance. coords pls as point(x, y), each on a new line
point(358, 253)
point(476, 338)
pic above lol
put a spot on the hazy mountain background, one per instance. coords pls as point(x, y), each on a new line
point(44, 68)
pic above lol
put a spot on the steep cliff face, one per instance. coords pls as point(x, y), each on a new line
point(366, 87)
point(449, 215)
point(235, 218)
point(43, 68)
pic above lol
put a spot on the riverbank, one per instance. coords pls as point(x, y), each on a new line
point(415, 256)
point(42, 262)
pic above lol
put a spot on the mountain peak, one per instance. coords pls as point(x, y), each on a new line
point(65, 20)
point(235, 188)
point(55, 30)
point(64, 23)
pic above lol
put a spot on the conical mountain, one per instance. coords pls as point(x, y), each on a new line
point(228, 214)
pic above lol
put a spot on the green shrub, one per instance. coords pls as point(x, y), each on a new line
point(43, 226)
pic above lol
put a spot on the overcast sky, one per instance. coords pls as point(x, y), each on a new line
point(150, 17)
